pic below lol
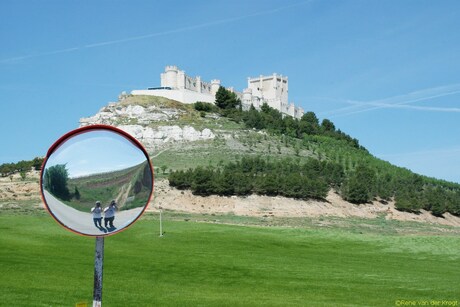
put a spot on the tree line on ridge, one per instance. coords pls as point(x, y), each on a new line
point(367, 179)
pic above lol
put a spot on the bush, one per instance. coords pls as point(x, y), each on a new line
point(202, 183)
point(205, 106)
point(408, 202)
point(180, 179)
point(359, 186)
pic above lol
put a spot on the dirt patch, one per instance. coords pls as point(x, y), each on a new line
point(264, 206)
point(253, 205)
point(15, 188)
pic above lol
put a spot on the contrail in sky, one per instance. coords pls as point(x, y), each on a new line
point(400, 101)
point(405, 106)
point(163, 33)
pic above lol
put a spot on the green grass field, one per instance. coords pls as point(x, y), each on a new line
point(206, 264)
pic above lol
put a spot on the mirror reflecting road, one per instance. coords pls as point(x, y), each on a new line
point(96, 180)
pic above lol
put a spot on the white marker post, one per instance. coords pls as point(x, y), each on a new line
point(98, 266)
point(161, 224)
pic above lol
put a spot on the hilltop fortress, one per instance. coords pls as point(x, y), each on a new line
point(273, 90)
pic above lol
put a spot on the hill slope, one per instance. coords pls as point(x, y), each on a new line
point(179, 137)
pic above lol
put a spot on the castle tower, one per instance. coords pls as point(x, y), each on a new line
point(181, 79)
point(247, 96)
point(169, 77)
point(198, 84)
point(215, 84)
point(272, 90)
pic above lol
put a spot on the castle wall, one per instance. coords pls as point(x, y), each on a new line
point(272, 90)
point(184, 96)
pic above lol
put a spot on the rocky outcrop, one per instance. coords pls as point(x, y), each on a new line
point(155, 137)
point(116, 114)
point(136, 120)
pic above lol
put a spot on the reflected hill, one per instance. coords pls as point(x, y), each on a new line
point(129, 187)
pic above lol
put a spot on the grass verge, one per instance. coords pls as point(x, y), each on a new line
point(224, 265)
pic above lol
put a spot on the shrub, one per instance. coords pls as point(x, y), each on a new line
point(205, 106)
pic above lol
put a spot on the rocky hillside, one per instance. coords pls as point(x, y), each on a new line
point(178, 137)
point(154, 121)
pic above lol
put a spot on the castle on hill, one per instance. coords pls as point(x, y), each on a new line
point(272, 90)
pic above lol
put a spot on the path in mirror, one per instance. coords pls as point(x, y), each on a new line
point(83, 222)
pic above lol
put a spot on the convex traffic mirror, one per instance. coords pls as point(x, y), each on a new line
point(96, 180)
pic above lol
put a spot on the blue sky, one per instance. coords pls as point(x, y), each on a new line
point(385, 72)
point(94, 152)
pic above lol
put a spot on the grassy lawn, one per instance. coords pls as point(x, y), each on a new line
point(223, 265)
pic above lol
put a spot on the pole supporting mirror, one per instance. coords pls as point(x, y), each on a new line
point(98, 268)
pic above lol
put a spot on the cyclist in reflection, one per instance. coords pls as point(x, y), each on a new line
point(109, 214)
point(97, 214)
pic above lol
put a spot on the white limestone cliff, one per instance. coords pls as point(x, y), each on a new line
point(135, 120)
point(155, 137)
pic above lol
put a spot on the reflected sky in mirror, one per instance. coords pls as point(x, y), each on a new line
point(96, 152)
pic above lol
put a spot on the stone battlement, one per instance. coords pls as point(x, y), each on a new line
point(272, 89)
point(171, 67)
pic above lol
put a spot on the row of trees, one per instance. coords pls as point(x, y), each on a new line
point(416, 192)
point(21, 166)
point(311, 179)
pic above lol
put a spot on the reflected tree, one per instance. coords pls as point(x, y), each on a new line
point(55, 181)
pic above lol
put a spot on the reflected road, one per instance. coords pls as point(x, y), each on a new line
point(83, 222)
